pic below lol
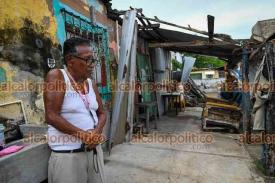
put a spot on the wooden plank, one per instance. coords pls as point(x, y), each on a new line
point(232, 107)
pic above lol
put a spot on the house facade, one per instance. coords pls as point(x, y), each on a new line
point(31, 37)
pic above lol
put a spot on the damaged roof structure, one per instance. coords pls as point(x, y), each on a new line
point(97, 21)
point(207, 43)
point(159, 39)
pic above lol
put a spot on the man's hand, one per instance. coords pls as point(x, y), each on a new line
point(98, 130)
point(84, 136)
point(91, 138)
point(95, 138)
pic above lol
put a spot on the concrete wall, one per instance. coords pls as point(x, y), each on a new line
point(25, 86)
point(204, 73)
point(31, 32)
point(27, 40)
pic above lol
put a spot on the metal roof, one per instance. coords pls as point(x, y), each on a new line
point(184, 42)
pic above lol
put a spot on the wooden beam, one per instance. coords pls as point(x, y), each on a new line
point(174, 25)
point(223, 37)
point(147, 27)
point(152, 26)
point(142, 21)
point(189, 28)
point(186, 44)
point(210, 24)
point(221, 54)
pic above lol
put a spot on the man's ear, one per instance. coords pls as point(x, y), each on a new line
point(69, 63)
point(69, 60)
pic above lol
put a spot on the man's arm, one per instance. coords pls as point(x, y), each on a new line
point(100, 111)
point(53, 95)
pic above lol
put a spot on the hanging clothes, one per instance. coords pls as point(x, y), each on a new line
point(261, 95)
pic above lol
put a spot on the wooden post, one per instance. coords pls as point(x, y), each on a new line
point(246, 103)
point(210, 23)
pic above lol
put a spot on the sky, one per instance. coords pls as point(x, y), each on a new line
point(233, 17)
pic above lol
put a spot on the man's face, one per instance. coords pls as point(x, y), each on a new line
point(81, 63)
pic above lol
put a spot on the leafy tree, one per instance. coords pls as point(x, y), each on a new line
point(176, 65)
point(203, 61)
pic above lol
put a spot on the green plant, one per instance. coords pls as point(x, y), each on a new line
point(176, 65)
point(203, 61)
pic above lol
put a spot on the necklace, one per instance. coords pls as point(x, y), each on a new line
point(82, 95)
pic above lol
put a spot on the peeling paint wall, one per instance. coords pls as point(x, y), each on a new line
point(25, 86)
point(31, 33)
point(27, 40)
point(13, 13)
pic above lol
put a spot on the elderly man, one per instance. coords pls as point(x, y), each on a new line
point(75, 115)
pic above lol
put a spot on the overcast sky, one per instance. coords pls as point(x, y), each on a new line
point(233, 17)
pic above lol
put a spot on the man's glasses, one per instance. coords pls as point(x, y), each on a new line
point(89, 60)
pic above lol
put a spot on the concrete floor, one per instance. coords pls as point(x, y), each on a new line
point(223, 160)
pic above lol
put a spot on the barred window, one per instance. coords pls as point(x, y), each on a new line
point(76, 26)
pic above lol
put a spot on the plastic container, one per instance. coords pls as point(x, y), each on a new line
point(2, 137)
